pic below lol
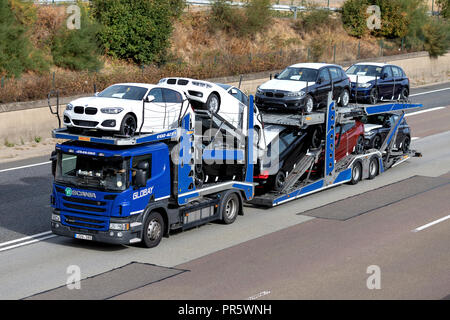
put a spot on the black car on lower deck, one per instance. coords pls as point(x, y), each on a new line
point(377, 127)
point(285, 147)
point(304, 86)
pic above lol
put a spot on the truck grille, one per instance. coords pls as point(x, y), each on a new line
point(86, 222)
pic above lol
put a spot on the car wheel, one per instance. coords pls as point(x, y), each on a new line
point(213, 103)
point(376, 143)
point(128, 126)
point(344, 98)
point(359, 147)
point(373, 168)
point(230, 208)
point(356, 172)
point(373, 97)
point(280, 180)
point(404, 94)
point(153, 230)
point(405, 144)
point(309, 104)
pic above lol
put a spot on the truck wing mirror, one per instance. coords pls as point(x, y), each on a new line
point(140, 180)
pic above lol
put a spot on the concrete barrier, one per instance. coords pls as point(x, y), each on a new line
point(24, 121)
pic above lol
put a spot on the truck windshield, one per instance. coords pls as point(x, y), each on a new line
point(298, 74)
point(93, 172)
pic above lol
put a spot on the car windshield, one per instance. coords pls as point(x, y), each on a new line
point(124, 92)
point(298, 74)
point(365, 70)
point(93, 172)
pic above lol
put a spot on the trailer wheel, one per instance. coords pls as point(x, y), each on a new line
point(356, 172)
point(230, 208)
point(373, 167)
point(153, 230)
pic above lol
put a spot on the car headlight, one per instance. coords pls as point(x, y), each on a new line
point(296, 94)
point(369, 134)
point(69, 106)
point(119, 226)
point(111, 110)
point(364, 85)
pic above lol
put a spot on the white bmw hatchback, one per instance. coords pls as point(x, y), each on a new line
point(122, 108)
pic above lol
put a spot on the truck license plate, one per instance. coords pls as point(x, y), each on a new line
point(83, 236)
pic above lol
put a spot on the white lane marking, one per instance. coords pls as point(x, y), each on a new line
point(34, 236)
point(28, 242)
point(28, 166)
point(433, 91)
point(423, 111)
point(431, 223)
point(259, 295)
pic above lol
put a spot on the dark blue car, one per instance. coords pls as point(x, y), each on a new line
point(374, 82)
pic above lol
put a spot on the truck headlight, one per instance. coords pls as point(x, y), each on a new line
point(119, 226)
point(111, 110)
point(56, 217)
point(69, 106)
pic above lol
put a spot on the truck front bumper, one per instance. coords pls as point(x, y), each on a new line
point(112, 236)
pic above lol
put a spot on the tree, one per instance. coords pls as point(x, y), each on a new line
point(354, 17)
point(77, 49)
point(437, 38)
point(444, 8)
point(135, 30)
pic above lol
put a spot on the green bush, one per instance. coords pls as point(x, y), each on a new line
point(313, 20)
point(16, 52)
point(256, 17)
point(354, 17)
point(444, 8)
point(135, 30)
point(437, 38)
point(77, 49)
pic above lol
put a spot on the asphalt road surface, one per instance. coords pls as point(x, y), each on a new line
point(280, 253)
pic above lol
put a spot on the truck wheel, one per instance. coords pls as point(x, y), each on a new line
point(153, 230)
point(373, 167)
point(230, 208)
point(128, 126)
point(213, 103)
point(356, 172)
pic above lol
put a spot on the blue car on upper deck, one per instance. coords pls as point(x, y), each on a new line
point(372, 82)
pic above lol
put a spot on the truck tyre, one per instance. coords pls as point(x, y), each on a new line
point(213, 103)
point(356, 172)
point(153, 230)
point(128, 126)
point(229, 208)
point(373, 167)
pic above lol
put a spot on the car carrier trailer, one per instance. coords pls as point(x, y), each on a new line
point(157, 192)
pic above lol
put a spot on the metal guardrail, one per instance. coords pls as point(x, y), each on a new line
point(276, 7)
